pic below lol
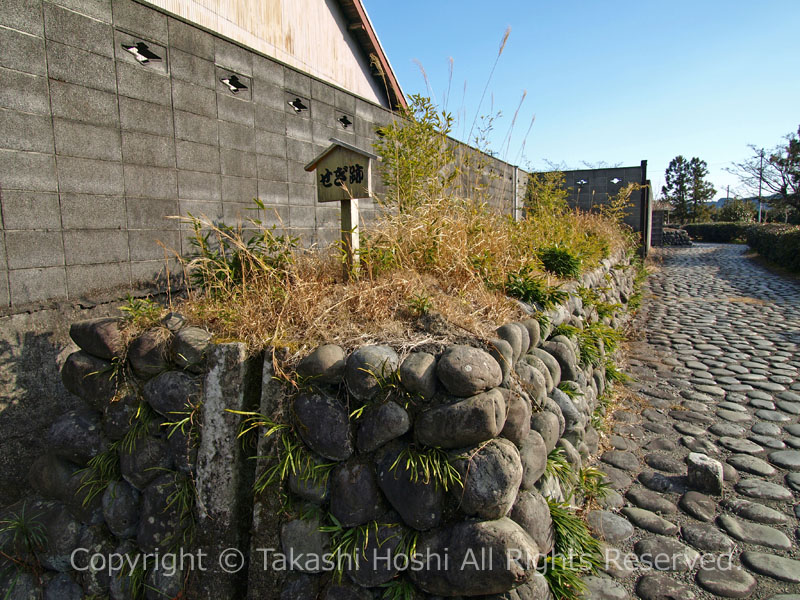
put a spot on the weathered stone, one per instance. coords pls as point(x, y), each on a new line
point(148, 354)
point(777, 567)
point(533, 455)
point(572, 415)
point(90, 378)
point(752, 533)
point(76, 436)
point(497, 539)
point(751, 464)
point(704, 474)
point(651, 501)
point(518, 417)
point(572, 455)
point(786, 459)
point(418, 374)
point(303, 539)
point(665, 554)
point(61, 587)
point(355, 498)
point(534, 332)
point(511, 334)
point(189, 348)
point(546, 424)
point(301, 587)
point(608, 526)
point(367, 367)
point(658, 482)
point(538, 364)
point(466, 371)
point(617, 478)
point(324, 425)
point(314, 488)
point(621, 460)
point(767, 441)
point(119, 415)
point(654, 586)
point(756, 488)
point(664, 462)
point(418, 502)
point(532, 381)
point(374, 561)
point(381, 424)
point(62, 532)
point(552, 406)
point(325, 365)
point(99, 337)
point(754, 511)
point(603, 588)
point(462, 423)
point(172, 393)
point(532, 513)
point(565, 357)
point(491, 477)
point(161, 522)
point(148, 458)
point(164, 583)
point(649, 521)
point(121, 509)
point(707, 538)
point(550, 362)
point(731, 582)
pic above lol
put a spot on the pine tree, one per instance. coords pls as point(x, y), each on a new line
point(700, 190)
point(676, 189)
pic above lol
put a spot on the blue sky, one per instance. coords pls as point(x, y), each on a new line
point(613, 82)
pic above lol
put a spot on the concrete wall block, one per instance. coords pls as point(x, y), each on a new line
point(150, 244)
point(104, 280)
point(136, 81)
point(230, 56)
point(298, 174)
point(273, 192)
point(240, 213)
point(270, 144)
point(146, 149)
point(28, 249)
point(344, 101)
point(365, 128)
point(197, 157)
point(268, 71)
point(329, 215)
point(150, 182)
point(210, 210)
point(302, 217)
point(140, 20)
point(22, 52)
point(191, 68)
point(83, 211)
point(73, 65)
point(86, 141)
point(300, 151)
point(136, 115)
point(239, 189)
point(244, 93)
point(23, 131)
point(325, 114)
point(267, 94)
point(237, 136)
point(23, 92)
point(30, 210)
point(86, 176)
point(235, 110)
point(196, 128)
point(239, 164)
point(188, 38)
point(83, 104)
point(97, 9)
point(322, 92)
point(328, 236)
point(269, 120)
point(87, 247)
point(5, 294)
point(299, 128)
point(273, 168)
point(28, 171)
point(198, 186)
point(277, 215)
point(297, 83)
point(37, 285)
point(193, 98)
point(302, 195)
point(73, 29)
point(149, 213)
point(24, 15)
point(321, 135)
point(153, 274)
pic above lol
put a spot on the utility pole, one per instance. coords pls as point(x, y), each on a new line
point(760, 177)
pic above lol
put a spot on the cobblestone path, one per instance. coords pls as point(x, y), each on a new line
point(717, 373)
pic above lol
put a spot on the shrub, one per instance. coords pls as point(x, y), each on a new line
point(779, 244)
point(722, 233)
point(737, 211)
point(560, 262)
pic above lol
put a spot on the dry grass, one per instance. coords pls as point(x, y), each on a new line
point(447, 258)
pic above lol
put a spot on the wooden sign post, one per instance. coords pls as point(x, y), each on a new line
point(344, 174)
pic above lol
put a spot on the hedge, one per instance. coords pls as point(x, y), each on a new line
point(779, 244)
point(723, 233)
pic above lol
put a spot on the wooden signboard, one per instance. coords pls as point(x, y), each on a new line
point(344, 174)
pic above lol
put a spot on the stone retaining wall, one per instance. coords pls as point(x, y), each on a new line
point(157, 416)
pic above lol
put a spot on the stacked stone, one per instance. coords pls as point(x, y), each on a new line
point(675, 237)
point(495, 409)
point(135, 513)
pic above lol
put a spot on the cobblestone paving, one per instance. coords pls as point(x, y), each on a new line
point(717, 373)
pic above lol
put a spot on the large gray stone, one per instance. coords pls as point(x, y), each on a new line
point(707, 538)
point(121, 509)
point(649, 521)
point(76, 436)
point(533, 455)
point(462, 423)
point(381, 424)
point(90, 378)
point(62, 587)
point(374, 562)
point(99, 337)
point(534, 332)
point(145, 461)
point(532, 381)
point(418, 374)
point(324, 425)
point(487, 540)
point(565, 357)
point(665, 554)
point(705, 474)
point(325, 365)
point(651, 501)
point(366, 369)
point(532, 512)
point(777, 567)
point(608, 526)
point(466, 371)
point(303, 539)
point(752, 533)
point(149, 353)
point(654, 586)
point(550, 362)
point(538, 364)
point(189, 348)
point(698, 505)
point(161, 523)
point(512, 334)
point(546, 425)
point(753, 511)
point(491, 475)
point(518, 417)
point(62, 532)
point(729, 582)
point(756, 488)
point(173, 393)
point(603, 588)
point(786, 459)
point(355, 498)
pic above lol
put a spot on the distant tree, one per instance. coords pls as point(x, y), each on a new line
point(737, 211)
point(676, 189)
point(700, 190)
point(777, 171)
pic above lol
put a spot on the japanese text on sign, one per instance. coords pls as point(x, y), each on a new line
point(342, 175)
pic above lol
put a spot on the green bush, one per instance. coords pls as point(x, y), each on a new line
point(779, 244)
point(560, 262)
point(723, 233)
